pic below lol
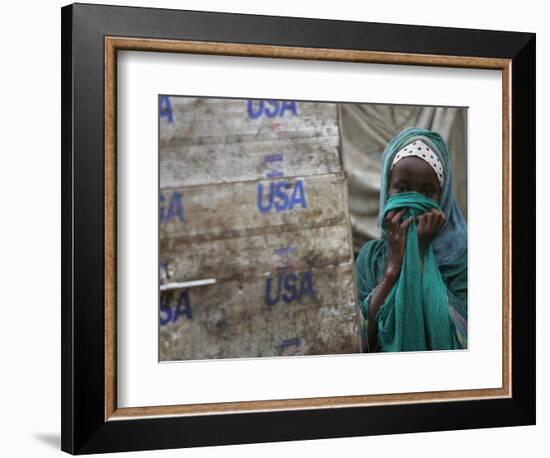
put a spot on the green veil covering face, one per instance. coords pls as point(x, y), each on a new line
point(424, 310)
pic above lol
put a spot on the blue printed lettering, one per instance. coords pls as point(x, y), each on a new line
point(261, 207)
point(255, 114)
point(174, 210)
point(268, 299)
point(162, 214)
point(166, 310)
point(272, 113)
point(170, 314)
point(294, 342)
point(293, 287)
point(270, 108)
point(282, 204)
point(298, 195)
point(306, 285)
point(165, 108)
point(279, 198)
point(183, 307)
point(291, 106)
point(273, 158)
point(290, 286)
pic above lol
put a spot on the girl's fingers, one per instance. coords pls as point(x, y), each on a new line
point(398, 216)
point(406, 223)
point(387, 221)
point(441, 223)
point(420, 223)
point(436, 212)
point(439, 220)
point(430, 219)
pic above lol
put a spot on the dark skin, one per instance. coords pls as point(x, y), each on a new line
point(408, 174)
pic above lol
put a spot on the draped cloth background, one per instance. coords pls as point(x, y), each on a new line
point(366, 130)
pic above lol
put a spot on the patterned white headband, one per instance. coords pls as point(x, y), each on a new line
point(420, 149)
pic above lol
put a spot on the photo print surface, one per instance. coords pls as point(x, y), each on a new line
point(273, 241)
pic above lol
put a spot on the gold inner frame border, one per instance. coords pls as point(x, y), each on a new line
point(114, 44)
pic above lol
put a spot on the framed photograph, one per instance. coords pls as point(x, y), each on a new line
point(281, 228)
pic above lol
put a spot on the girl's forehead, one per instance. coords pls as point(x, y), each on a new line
point(411, 167)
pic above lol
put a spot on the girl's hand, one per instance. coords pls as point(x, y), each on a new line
point(429, 225)
point(396, 234)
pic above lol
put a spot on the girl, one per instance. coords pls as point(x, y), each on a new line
point(412, 283)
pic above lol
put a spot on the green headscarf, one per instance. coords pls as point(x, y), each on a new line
point(424, 310)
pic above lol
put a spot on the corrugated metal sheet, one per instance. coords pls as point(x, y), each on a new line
point(253, 197)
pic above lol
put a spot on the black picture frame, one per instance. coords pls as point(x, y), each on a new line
point(84, 427)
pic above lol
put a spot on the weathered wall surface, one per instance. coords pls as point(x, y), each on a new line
point(253, 203)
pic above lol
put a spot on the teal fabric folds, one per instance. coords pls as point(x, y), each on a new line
point(415, 314)
point(428, 309)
